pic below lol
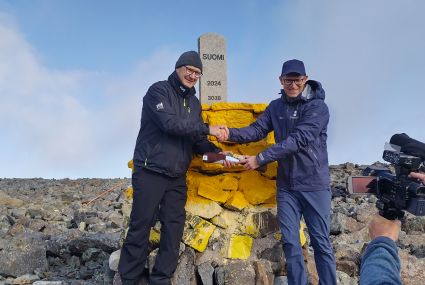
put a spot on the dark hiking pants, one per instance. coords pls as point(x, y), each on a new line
point(151, 191)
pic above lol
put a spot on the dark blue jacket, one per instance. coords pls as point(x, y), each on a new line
point(299, 126)
point(380, 263)
point(171, 129)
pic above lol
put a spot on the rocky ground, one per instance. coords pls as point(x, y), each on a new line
point(54, 232)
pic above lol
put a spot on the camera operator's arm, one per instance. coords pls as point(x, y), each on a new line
point(417, 175)
point(380, 262)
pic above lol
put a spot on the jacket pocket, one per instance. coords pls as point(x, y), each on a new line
point(151, 153)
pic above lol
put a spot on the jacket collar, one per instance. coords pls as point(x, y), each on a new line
point(182, 90)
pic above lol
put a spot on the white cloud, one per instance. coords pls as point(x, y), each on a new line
point(368, 56)
point(59, 123)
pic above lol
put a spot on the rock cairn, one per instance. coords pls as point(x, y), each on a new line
point(69, 231)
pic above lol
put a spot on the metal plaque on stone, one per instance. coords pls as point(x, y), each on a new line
point(213, 83)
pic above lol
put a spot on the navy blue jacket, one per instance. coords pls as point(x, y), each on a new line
point(380, 263)
point(171, 129)
point(299, 126)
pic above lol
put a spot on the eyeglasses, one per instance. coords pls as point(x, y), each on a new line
point(288, 82)
point(190, 71)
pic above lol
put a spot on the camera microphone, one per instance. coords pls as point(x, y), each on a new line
point(409, 145)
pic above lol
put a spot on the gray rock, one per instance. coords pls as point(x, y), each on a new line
point(23, 254)
point(92, 254)
point(415, 243)
point(151, 259)
point(236, 273)
point(263, 272)
point(26, 279)
point(35, 212)
point(185, 271)
point(10, 201)
point(276, 256)
point(348, 267)
point(340, 223)
point(281, 280)
point(48, 283)
point(114, 259)
point(18, 213)
point(5, 223)
point(343, 278)
point(414, 224)
point(116, 220)
point(105, 242)
point(206, 271)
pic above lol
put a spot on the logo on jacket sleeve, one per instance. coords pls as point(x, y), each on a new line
point(260, 155)
point(159, 106)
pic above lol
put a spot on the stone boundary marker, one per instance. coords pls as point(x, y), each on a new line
point(213, 84)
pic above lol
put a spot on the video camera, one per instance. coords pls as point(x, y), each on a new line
point(399, 192)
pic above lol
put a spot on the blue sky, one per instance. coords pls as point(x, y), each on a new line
point(73, 73)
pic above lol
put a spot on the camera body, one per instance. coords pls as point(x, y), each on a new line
point(396, 193)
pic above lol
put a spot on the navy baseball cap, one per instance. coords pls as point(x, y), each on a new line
point(293, 66)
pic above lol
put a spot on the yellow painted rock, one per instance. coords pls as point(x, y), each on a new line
point(236, 201)
point(130, 164)
point(253, 148)
point(256, 188)
point(193, 179)
point(205, 107)
point(128, 193)
point(270, 139)
point(232, 118)
point(232, 106)
point(271, 170)
point(212, 191)
point(239, 247)
point(202, 207)
point(198, 234)
point(154, 236)
point(259, 108)
point(230, 182)
point(196, 162)
point(227, 220)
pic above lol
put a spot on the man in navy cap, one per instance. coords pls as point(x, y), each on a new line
point(171, 129)
point(299, 119)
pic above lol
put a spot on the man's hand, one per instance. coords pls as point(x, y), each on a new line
point(226, 133)
point(420, 176)
point(227, 163)
point(379, 226)
point(220, 132)
point(250, 162)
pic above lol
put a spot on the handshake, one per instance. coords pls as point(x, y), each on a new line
point(222, 133)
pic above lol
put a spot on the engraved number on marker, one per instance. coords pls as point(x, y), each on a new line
point(213, 83)
point(214, 97)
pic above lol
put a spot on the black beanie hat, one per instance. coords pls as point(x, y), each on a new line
point(189, 58)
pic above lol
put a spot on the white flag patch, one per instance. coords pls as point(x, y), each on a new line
point(159, 106)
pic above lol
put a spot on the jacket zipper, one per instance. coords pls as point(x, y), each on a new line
point(184, 105)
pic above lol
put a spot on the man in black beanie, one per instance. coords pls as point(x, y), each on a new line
point(171, 130)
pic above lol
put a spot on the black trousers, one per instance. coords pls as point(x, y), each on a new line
point(150, 191)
